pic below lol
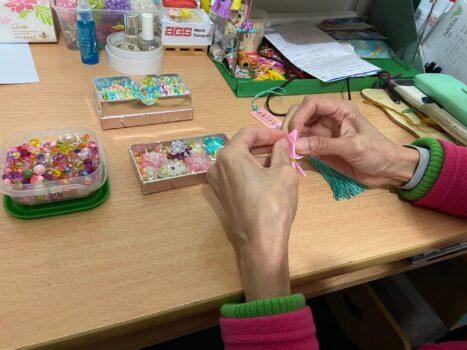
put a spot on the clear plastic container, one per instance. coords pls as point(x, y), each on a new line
point(107, 21)
point(58, 190)
point(249, 42)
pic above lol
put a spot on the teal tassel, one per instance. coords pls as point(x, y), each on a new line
point(342, 187)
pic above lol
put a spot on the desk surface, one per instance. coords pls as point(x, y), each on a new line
point(165, 256)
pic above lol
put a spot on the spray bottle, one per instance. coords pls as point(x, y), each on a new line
point(86, 33)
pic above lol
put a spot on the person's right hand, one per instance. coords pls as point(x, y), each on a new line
point(339, 135)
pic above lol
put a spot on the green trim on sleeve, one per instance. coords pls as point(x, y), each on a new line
point(264, 307)
point(431, 173)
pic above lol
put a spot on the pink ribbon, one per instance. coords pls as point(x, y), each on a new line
point(292, 138)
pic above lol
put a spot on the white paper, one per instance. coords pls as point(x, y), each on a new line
point(422, 12)
point(447, 44)
point(315, 52)
point(16, 64)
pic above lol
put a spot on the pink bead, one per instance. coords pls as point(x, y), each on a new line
point(39, 169)
point(36, 178)
point(198, 162)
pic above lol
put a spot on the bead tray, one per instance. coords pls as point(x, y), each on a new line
point(46, 166)
point(27, 212)
point(173, 182)
point(130, 110)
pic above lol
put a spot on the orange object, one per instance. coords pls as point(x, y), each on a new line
point(243, 60)
point(180, 3)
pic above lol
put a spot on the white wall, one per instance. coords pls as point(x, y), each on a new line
point(283, 6)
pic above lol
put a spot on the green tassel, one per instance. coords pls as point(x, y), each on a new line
point(342, 187)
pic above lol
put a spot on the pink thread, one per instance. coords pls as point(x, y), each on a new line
point(292, 138)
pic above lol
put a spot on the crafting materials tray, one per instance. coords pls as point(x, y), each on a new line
point(157, 184)
point(132, 111)
point(27, 212)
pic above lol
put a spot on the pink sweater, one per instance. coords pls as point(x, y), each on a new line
point(295, 330)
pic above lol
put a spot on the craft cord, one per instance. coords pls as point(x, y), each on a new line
point(275, 91)
point(270, 95)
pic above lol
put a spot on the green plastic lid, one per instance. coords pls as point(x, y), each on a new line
point(58, 208)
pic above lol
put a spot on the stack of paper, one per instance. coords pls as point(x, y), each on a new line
point(315, 52)
point(16, 64)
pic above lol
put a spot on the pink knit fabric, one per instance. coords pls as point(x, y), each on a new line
point(293, 331)
point(451, 345)
point(296, 330)
point(449, 193)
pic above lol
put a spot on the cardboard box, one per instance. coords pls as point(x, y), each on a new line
point(250, 87)
point(394, 19)
point(26, 21)
point(197, 31)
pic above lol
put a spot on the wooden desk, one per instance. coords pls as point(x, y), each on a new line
point(141, 269)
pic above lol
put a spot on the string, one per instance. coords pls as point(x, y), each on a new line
point(276, 91)
point(282, 86)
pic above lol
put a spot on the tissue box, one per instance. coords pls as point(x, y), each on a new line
point(195, 31)
point(26, 21)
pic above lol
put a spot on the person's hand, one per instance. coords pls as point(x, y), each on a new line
point(339, 135)
point(259, 204)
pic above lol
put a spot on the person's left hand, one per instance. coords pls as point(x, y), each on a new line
point(259, 204)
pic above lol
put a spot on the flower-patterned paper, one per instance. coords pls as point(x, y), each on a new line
point(26, 21)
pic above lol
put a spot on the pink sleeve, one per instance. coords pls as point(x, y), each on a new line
point(449, 192)
point(293, 331)
point(451, 345)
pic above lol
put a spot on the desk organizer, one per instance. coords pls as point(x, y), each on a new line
point(52, 166)
point(250, 87)
point(394, 19)
point(121, 102)
point(162, 166)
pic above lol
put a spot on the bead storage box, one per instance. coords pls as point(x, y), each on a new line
point(52, 166)
point(162, 166)
point(121, 102)
point(108, 17)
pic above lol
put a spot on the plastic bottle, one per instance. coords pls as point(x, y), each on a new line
point(86, 33)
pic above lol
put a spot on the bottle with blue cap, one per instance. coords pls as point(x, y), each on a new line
point(86, 33)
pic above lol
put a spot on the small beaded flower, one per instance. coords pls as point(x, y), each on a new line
point(213, 144)
point(178, 149)
point(198, 162)
point(172, 168)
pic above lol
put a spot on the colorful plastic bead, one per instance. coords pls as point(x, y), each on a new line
point(213, 144)
point(198, 162)
point(172, 168)
point(34, 162)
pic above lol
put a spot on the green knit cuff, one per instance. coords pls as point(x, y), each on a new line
point(265, 307)
point(431, 173)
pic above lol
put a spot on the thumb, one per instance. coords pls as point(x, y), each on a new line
point(322, 146)
point(280, 154)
